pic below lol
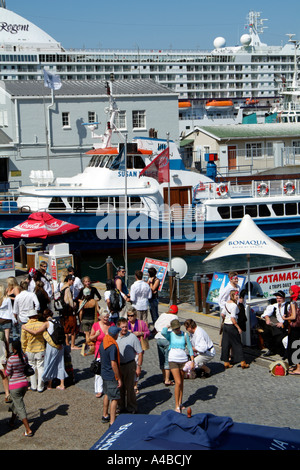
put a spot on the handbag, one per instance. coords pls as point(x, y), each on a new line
point(28, 370)
point(144, 342)
point(95, 366)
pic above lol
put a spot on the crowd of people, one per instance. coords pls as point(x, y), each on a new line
point(40, 324)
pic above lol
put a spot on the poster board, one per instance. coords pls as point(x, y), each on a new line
point(219, 280)
point(7, 261)
point(160, 266)
point(270, 282)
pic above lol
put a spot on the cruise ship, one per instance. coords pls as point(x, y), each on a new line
point(251, 75)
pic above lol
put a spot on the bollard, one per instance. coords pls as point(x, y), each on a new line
point(22, 253)
point(204, 292)
point(197, 291)
point(109, 268)
point(172, 287)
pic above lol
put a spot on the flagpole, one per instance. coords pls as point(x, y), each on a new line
point(125, 216)
point(169, 207)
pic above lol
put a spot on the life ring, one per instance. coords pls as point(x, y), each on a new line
point(263, 189)
point(222, 189)
point(289, 188)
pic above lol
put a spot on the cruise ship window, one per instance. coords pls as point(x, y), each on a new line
point(224, 212)
point(263, 210)
point(251, 210)
point(57, 204)
point(237, 212)
point(291, 208)
point(278, 209)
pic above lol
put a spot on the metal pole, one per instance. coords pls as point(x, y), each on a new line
point(169, 207)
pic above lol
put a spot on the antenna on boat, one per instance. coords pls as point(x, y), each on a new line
point(3, 3)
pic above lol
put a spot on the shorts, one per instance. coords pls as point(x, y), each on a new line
point(111, 389)
point(86, 325)
point(176, 365)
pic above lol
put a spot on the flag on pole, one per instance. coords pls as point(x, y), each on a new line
point(159, 168)
point(52, 81)
point(119, 161)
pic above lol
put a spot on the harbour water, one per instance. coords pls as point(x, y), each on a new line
point(94, 265)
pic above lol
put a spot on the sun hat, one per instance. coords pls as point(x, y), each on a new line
point(173, 309)
point(175, 324)
point(113, 330)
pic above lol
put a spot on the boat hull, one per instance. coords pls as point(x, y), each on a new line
point(107, 233)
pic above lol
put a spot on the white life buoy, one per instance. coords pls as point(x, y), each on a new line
point(263, 189)
point(222, 189)
point(289, 188)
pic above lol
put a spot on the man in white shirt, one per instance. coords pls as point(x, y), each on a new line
point(140, 293)
point(77, 285)
point(275, 328)
point(202, 346)
point(224, 293)
point(47, 279)
point(24, 302)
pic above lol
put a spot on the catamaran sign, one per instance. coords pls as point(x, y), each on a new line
point(271, 281)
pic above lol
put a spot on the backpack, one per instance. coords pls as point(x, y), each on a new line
point(58, 335)
point(117, 302)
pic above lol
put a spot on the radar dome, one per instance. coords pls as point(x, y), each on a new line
point(219, 42)
point(245, 39)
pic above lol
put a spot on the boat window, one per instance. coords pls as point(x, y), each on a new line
point(104, 161)
point(90, 204)
point(92, 160)
point(263, 210)
point(251, 210)
point(139, 162)
point(135, 202)
point(57, 204)
point(278, 209)
point(237, 212)
point(76, 203)
point(291, 209)
point(224, 212)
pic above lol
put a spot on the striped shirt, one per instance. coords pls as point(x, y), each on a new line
point(15, 371)
point(31, 343)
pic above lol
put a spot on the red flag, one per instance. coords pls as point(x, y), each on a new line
point(159, 168)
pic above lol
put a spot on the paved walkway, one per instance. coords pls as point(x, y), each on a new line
point(71, 419)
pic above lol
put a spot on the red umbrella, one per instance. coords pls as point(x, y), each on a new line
point(40, 225)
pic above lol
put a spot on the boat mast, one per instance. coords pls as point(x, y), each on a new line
point(2, 3)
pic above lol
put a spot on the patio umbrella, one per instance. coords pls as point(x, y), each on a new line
point(40, 225)
point(248, 239)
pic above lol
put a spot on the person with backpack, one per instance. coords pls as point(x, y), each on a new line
point(54, 365)
point(114, 299)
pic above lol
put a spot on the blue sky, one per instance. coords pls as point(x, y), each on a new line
point(155, 24)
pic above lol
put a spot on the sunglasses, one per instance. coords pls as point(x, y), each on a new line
point(130, 315)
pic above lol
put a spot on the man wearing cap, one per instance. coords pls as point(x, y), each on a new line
point(275, 328)
point(202, 345)
point(129, 347)
point(110, 373)
point(34, 346)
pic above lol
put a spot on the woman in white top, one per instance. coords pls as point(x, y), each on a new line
point(163, 344)
point(7, 319)
point(231, 341)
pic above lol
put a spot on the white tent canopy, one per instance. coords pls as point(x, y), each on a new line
point(248, 239)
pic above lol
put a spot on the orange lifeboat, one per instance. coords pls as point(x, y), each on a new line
point(218, 105)
point(184, 104)
point(250, 101)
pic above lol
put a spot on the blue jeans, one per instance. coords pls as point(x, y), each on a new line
point(163, 353)
point(153, 305)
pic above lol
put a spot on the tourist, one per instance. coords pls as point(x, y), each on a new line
point(54, 364)
point(88, 312)
point(98, 331)
point(178, 343)
point(24, 302)
point(231, 342)
point(3, 360)
point(18, 385)
point(86, 282)
point(110, 373)
point(202, 345)
point(293, 318)
point(140, 329)
point(114, 299)
point(275, 328)
point(7, 318)
point(47, 279)
point(140, 293)
point(164, 320)
point(120, 283)
point(129, 346)
point(43, 297)
point(34, 347)
point(68, 313)
point(78, 285)
point(224, 293)
point(154, 284)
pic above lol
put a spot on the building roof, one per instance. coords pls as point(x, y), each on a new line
point(36, 88)
point(251, 131)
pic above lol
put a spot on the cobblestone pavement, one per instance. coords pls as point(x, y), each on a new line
point(71, 419)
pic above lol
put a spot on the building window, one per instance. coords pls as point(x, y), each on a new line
point(66, 119)
point(121, 120)
point(139, 119)
point(91, 117)
point(254, 150)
